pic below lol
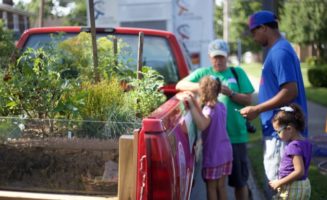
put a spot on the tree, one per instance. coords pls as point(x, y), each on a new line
point(240, 11)
point(54, 8)
point(7, 45)
point(218, 23)
point(78, 15)
point(305, 23)
point(34, 6)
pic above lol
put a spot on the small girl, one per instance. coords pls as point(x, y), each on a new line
point(217, 149)
point(293, 182)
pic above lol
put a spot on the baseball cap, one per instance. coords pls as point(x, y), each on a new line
point(218, 47)
point(261, 17)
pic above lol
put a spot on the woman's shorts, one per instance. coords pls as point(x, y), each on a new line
point(213, 173)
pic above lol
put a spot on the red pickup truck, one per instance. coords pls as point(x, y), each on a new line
point(165, 155)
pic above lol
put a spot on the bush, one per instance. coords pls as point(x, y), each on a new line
point(145, 94)
point(318, 76)
point(7, 46)
point(314, 61)
point(54, 83)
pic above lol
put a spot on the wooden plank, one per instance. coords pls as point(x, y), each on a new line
point(127, 166)
point(8, 195)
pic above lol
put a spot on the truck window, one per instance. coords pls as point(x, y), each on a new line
point(156, 52)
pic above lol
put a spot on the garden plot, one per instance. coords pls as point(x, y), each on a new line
point(58, 161)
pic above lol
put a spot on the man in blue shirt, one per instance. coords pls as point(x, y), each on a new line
point(281, 84)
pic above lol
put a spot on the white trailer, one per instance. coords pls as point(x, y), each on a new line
point(192, 21)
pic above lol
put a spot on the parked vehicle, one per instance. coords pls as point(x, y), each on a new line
point(165, 155)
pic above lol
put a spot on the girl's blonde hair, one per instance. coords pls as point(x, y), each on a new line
point(290, 115)
point(210, 88)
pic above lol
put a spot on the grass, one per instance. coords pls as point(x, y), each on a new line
point(255, 151)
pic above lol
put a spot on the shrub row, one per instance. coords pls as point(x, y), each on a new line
point(318, 76)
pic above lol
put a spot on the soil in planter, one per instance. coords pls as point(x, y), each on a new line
point(85, 166)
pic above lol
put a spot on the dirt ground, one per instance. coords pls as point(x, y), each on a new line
point(60, 165)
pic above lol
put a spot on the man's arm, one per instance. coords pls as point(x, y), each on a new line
point(186, 85)
point(286, 94)
point(239, 98)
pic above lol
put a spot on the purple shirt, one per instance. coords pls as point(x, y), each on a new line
point(296, 147)
point(217, 148)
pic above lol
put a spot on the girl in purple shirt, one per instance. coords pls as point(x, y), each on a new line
point(293, 182)
point(217, 149)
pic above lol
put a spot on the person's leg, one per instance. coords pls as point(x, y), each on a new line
point(242, 193)
point(222, 190)
point(212, 189)
point(240, 172)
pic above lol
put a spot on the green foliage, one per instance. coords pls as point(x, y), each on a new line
point(304, 22)
point(33, 7)
point(100, 98)
point(104, 101)
point(78, 16)
point(7, 46)
point(315, 61)
point(54, 83)
point(219, 22)
point(240, 11)
point(73, 58)
point(34, 88)
point(145, 93)
point(318, 76)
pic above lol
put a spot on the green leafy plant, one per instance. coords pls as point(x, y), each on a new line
point(318, 76)
point(55, 82)
point(146, 92)
point(81, 61)
point(7, 46)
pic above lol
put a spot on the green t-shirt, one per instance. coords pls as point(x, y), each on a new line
point(236, 127)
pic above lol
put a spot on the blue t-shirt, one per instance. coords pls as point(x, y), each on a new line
point(281, 66)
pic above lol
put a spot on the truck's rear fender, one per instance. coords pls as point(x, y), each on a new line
point(165, 153)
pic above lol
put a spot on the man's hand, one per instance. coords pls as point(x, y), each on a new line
point(250, 112)
point(225, 90)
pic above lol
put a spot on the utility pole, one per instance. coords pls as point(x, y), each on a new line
point(41, 11)
point(226, 12)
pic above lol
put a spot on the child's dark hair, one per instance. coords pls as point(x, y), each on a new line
point(210, 87)
point(290, 115)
